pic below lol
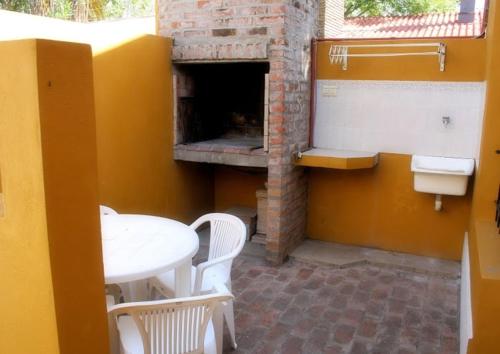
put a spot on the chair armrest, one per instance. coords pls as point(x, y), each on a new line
point(198, 222)
point(202, 267)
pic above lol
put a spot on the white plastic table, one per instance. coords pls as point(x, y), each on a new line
point(137, 247)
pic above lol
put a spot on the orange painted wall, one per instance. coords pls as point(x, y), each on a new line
point(27, 292)
point(2, 206)
point(488, 173)
point(237, 187)
point(137, 173)
point(50, 256)
point(378, 207)
point(66, 104)
point(464, 62)
point(483, 236)
point(485, 286)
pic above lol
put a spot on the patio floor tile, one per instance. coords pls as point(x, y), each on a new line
point(365, 308)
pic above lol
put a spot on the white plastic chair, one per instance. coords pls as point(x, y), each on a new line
point(105, 210)
point(110, 301)
point(112, 331)
point(174, 326)
point(227, 238)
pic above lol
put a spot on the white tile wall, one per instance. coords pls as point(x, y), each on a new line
point(400, 117)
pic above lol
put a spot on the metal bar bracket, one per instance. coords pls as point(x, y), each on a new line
point(442, 56)
point(339, 54)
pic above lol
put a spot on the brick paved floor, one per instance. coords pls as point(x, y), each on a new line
point(305, 308)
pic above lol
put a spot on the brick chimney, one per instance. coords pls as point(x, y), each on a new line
point(467, 9)
point(278, 33)
point(331, 18)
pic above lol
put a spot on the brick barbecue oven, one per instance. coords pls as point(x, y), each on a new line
point(242, 95)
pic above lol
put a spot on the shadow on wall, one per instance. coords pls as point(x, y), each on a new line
point(133, 98)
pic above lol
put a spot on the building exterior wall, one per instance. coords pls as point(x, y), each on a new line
point(50, 230)
point(379, 207)
point(135, 111)
point(137, 173)
point(484, 239)
point(68, 143)
point(464, 62)
point(488, 174)
point(25, 260)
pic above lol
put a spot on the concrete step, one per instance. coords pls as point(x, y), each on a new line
point(343, 256)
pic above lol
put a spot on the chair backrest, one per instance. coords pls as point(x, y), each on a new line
point(174, 326)
point(105, 210)
point(227, 234)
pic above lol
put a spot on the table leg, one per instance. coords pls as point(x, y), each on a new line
point(135, 291)
point(183, 280)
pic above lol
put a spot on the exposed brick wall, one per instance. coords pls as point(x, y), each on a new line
point(221, 29)
point(289, 128)
point(279, 31)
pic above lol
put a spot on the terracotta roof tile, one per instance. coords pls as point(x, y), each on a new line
point(417, 26)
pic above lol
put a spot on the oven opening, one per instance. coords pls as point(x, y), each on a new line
point(221, 106)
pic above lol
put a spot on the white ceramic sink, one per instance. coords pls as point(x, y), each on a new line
point(441, 175)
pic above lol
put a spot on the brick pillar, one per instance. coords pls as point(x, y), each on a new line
point(467, 9)
point(289, 130)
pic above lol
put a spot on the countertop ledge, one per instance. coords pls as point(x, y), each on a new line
point(337, 159)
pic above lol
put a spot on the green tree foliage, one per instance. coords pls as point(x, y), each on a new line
point(23, 6)
point(81, 10)
point(128, 8)
point(356, 8)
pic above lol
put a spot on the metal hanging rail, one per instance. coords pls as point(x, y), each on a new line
point(338, 54)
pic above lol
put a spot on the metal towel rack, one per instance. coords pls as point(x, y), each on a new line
point(338, 54)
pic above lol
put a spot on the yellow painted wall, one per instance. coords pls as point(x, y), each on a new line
point(1, 197)
point(464, 62)
point(483, 236)
point(50, 254)
point(137, 173)
point(484, 253)
point(378, 207)
point(66, 104)
point(237, 187)
point(27, 301)
point(488, 173)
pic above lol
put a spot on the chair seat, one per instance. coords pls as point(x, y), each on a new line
point(212, 276)
point(131, 340)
